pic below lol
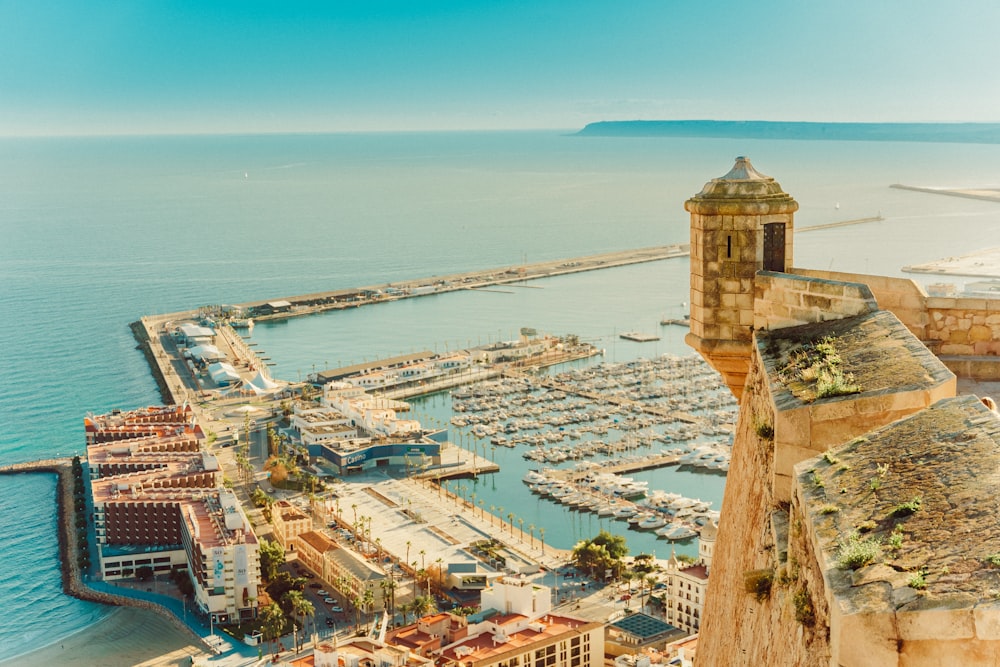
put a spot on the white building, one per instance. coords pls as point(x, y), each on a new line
point(684, 596)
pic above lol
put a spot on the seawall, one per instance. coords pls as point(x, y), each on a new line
point(72, 578)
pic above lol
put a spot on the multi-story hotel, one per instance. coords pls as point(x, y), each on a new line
point(159, 502)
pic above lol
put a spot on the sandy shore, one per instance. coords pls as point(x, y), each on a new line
point(125, 638)
point(979, 264)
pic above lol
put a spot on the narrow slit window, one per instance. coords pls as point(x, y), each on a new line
point(729, 247)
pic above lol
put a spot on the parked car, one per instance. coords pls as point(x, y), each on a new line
point(322, 593)
point(315, 584)
point(329, 622)
point(329, 600)
point(336, 610)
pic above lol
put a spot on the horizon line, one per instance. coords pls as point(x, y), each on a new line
point(572, 130)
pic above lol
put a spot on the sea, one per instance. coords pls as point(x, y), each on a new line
point(95, 232)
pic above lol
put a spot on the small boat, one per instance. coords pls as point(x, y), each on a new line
point(606, 509)
point(651, 522)
point(681, 533)
point(625, 512)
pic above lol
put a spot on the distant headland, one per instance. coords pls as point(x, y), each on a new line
point(968, 133)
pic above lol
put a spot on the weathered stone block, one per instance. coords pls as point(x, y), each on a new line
point(945, 617)
point(865, 639)
point(912, 302)
point(814, 301)
point(972, 304)
point(979, 333)
point(986, 616)
point(789, 298)
point(730, 285)
point(727, 317)
point(941, 303)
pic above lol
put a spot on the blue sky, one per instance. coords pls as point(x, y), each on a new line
point(137, 66)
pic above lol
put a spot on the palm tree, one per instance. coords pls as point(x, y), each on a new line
point(650, 582)
point(627, 576)
point(408, 544)
point(389, 595)
point(368, 600)
point(354, 507)
point(356, 603)
point(510, 519)
point(422, 564)
point(493, 508)
point(406, 608)
point(422, 605)
point(520, 525)
point(531, 531)
point(300, 607)
point(420, 575)
point(541, 536)
point(272, 622)
point(290, 599)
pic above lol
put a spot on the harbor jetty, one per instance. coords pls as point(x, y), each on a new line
point(987, 194)
point(70, 551)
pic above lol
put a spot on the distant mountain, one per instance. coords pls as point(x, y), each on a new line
point(969, 133)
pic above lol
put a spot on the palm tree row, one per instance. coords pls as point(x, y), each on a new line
point(273, 618)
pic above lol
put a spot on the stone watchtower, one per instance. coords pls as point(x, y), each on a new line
point(740, 224)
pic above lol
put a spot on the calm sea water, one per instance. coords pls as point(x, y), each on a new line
point(96, 232)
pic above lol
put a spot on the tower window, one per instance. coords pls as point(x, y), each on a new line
point(729, 247)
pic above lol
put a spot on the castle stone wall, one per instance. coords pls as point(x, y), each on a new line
point(963, 331)
point(901, 296)
point(737, 628)
point(783, 300)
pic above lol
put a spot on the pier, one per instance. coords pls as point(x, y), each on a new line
point(637, 465)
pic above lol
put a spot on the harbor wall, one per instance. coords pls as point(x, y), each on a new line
point(72, 577)
point(146, 340)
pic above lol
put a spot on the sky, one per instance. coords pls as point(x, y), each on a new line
point(216, 66)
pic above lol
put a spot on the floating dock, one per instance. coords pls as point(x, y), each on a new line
point(638, 336)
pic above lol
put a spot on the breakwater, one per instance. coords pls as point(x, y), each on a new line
point(73, 583)
point(985, 194)
point(354, 297)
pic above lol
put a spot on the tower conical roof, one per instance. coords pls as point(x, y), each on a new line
point(743, 186)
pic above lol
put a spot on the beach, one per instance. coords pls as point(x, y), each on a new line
point(124, 638)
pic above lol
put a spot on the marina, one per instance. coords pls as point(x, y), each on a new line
point(579, 431)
